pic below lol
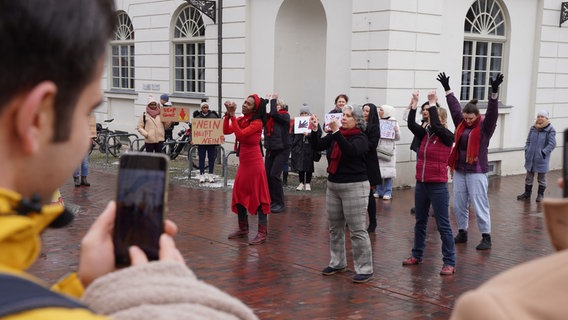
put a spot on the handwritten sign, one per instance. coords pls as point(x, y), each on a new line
point(387, 129)
point(331, 116)
point(207, 131)
point(175, 114)
point(302, 125)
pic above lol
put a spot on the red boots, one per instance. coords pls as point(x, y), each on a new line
point(260, 236)
point(242, 232)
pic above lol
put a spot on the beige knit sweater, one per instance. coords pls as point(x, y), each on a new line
point(161, 290)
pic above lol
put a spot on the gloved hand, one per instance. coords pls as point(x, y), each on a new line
point(495, 83)
point(444, 80)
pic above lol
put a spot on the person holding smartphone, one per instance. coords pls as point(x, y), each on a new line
point(250, 189)
point(47, 98)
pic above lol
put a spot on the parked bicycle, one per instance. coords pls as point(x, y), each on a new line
point(106, 136)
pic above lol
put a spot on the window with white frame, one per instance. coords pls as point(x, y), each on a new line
point(483, 48)
point(122, 54)
point(189, 52)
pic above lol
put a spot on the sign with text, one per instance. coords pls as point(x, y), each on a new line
point(207, 131)
point(175, 114)
point(302, 125)
point(330, 117)
point(387, 129)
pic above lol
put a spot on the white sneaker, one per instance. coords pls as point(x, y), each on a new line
point(308, 187)
point(201, 178)
point(387, 197)
point(210, 178)
point(301, 187)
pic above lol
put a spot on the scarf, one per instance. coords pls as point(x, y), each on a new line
point(336, 151)
point(270, 123)
point(152, 112)
point(473, 143)
point(541, 126)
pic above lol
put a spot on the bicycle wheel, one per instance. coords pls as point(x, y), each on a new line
point(114, 146)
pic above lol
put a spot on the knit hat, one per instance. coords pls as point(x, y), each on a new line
point(543, 113)
point(165, 97)
point(305, 109)
point(151, 99)
point(203, 104)
point(388, 111)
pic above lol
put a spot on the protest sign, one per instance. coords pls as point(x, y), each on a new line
point(175, 114)
point(207, 131)
point(387, 129)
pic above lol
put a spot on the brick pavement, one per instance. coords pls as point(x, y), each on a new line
point(281, 279)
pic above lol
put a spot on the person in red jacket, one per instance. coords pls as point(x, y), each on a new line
point(432, 182)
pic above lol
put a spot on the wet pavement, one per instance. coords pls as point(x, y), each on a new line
point(281, 279)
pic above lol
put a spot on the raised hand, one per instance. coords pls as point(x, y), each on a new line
point(496, 82)
point(444, 80)
point(414, 100)
point(432, 97)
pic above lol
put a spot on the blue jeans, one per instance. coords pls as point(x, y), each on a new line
point(385, 189)
point(437, 195)
point(211, 151)
point(83, 170)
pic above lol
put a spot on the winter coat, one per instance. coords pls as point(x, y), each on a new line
point(279, 136)
point(488, 125)
point(152, 129)
point(302, 155)
point(435, 146)
point(538, 148)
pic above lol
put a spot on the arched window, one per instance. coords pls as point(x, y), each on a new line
point(483, 48)
point(122, 54)
point(189, 51)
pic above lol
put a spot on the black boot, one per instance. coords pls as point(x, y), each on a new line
point(527, 194)
point(540, 194)
point(84, 181)
point(461, 237)
point(485, 243)
point(77, 182)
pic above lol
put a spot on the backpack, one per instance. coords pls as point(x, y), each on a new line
point(23, 295)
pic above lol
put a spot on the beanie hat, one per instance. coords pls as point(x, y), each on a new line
point(305, 109)
point(203, 104)
point(388, 111)
point(165, 97)
point(543, 113)
point(151, 99)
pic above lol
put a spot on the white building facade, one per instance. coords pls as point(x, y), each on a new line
point(378, 51)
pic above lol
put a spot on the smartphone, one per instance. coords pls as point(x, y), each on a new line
point(565, 166)
point(140, 204)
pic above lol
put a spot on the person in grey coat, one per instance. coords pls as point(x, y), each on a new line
point(540, 143)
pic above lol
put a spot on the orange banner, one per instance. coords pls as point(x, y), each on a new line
point(175, 114)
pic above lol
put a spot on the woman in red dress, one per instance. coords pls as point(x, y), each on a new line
point(250, 190)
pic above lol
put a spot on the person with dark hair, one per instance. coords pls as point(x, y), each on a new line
point(50, 85)
point(152, 127)
point(302, 158)
point(340, 101)
point(373, 133)
point(250, 189)
point(277, 144)
point(468, 159)
point(347, 192)
point(432, 182)
point(209, 149)
point(540, 143)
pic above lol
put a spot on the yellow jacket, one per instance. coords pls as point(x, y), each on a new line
point(20, 246)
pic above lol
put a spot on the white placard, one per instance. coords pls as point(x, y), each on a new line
point(331, 116)
point(302, 125)
point(387, 129)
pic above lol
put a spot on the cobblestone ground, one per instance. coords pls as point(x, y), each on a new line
point(281, 279)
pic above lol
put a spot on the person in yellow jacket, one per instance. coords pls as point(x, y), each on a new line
point(49, 85)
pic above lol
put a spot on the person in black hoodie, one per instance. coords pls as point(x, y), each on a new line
point(277, 144)
point(373, 133)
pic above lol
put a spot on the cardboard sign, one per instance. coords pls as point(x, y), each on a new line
point(175, 114)
point(329, 117)
point(207, 131)
point(387, 129)
point(302, 125)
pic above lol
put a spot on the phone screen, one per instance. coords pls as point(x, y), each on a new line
point(565, 166)
point(140, 204)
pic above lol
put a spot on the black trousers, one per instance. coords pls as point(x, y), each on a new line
point(274, 163)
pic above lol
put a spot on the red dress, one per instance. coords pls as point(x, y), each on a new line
point(251, 186)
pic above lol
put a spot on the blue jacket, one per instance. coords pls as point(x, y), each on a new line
point(538, 147)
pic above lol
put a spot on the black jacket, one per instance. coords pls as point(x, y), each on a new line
point(279, 136)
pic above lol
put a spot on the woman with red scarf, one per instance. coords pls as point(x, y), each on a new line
point(347, 192)
point(468, 159)
point(250, 190)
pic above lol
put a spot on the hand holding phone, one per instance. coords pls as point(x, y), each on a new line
point(140, 205)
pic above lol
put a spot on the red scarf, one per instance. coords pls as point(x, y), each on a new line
point(473, 142)
point(270, 122)
point(336, 151)
point(153, 112)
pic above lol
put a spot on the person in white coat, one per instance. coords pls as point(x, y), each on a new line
point(386, 151)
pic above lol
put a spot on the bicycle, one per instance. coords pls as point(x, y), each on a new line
point(104, 136)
